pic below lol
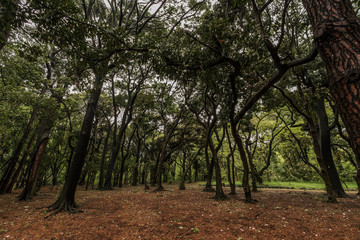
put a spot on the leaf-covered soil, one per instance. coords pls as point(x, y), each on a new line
point(132, 213)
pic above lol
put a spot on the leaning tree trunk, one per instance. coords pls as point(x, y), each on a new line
point(15, 156)
point(66, 200)
point(337, 35)
point(39, 149)
point(21, 165)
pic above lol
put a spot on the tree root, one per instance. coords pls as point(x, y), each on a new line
point(158, 189)
point(220, 197)
point(253, 201)
point(62, 206)
point(208, 189)
point(331, 200)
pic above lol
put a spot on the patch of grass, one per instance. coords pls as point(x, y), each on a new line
point(195, 230)
point(305, 185)
point(295, 185)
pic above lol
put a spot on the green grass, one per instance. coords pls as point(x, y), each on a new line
point(296, 185)
point(305, 185)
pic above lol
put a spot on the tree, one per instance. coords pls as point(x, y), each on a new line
point(8, 19)
point(337, 35)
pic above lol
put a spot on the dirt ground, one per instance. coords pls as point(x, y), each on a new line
point(132, 213)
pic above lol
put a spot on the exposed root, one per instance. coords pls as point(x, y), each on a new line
point(182, 186)
point(158, 189)
point(220, 197)
point(253, 201)
point(343, 196)
point(63, 206)
point(208, 189)
point(232, 193)
point(331, 200)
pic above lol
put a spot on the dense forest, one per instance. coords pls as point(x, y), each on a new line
point(106, 93)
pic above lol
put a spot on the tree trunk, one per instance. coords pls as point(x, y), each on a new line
point(187, 169)
point(210, 170)
point(39, 149)
point(135, 174)
point(8, 17)
point(324, 173)
point(66, 200)
point(159, 169)
point(219, 193)
point(325, 148)
point(21, 165)
point(15, 156)
point(253, 175)
point(245, 181)
point(102, 164)
point(337, 36)
point(231, 167)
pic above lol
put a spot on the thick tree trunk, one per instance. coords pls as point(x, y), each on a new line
point(325, 148)
point(337, 35)
point(66, 200)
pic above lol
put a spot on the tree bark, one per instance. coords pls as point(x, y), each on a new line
point(337, 36)
point(66, 200)
point(39, 149)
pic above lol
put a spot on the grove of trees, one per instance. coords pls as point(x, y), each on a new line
point(102, 93)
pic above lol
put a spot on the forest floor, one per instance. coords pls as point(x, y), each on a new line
point(132, 213)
